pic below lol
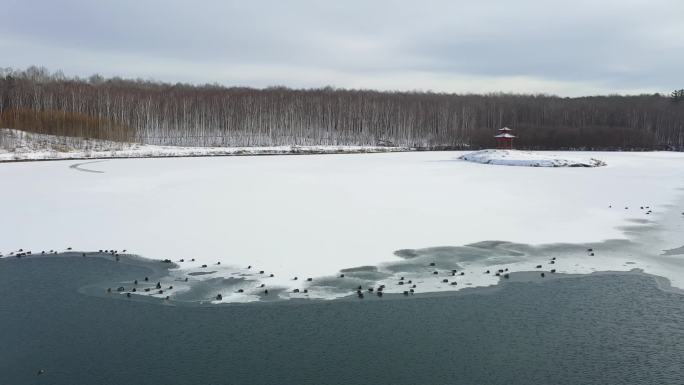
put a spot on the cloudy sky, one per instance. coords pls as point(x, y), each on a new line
point(574, 47)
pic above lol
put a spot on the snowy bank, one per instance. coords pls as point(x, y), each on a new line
point(16, 145)
point(529, 159)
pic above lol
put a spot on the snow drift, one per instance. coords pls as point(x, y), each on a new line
point(529, 159)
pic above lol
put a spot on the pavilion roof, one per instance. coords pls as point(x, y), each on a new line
point(504, 136)
point(505, 129)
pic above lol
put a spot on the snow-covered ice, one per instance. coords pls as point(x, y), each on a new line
point(530, 159)
point(318, 215)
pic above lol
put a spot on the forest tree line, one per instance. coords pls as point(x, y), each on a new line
point(151, 112)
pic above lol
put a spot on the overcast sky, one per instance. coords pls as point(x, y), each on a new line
point(574, 47)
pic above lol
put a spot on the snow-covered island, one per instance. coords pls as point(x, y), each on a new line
point(529, 159)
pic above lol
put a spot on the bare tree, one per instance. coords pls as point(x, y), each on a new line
point(211, 115)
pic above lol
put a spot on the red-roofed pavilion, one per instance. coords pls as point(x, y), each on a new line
point(504, 139)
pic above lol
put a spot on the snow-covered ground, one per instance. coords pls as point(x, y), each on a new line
point(317, 215)
point(530, 159)
point(16, 145)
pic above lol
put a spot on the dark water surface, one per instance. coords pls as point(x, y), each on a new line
point(598, 329)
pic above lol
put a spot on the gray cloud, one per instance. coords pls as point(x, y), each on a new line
point(566, 47)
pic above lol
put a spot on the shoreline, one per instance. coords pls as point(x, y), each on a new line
point(369, 150)
point(227, 153)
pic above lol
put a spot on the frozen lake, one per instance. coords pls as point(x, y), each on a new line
point(316, 215)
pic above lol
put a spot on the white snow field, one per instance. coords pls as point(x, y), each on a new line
point(530, 159)
point(17, 145)
point(312, 216)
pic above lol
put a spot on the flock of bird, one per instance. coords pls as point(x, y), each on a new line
point(359, 290)
point(379, 290)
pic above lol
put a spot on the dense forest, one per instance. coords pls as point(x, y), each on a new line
point(151, 112)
